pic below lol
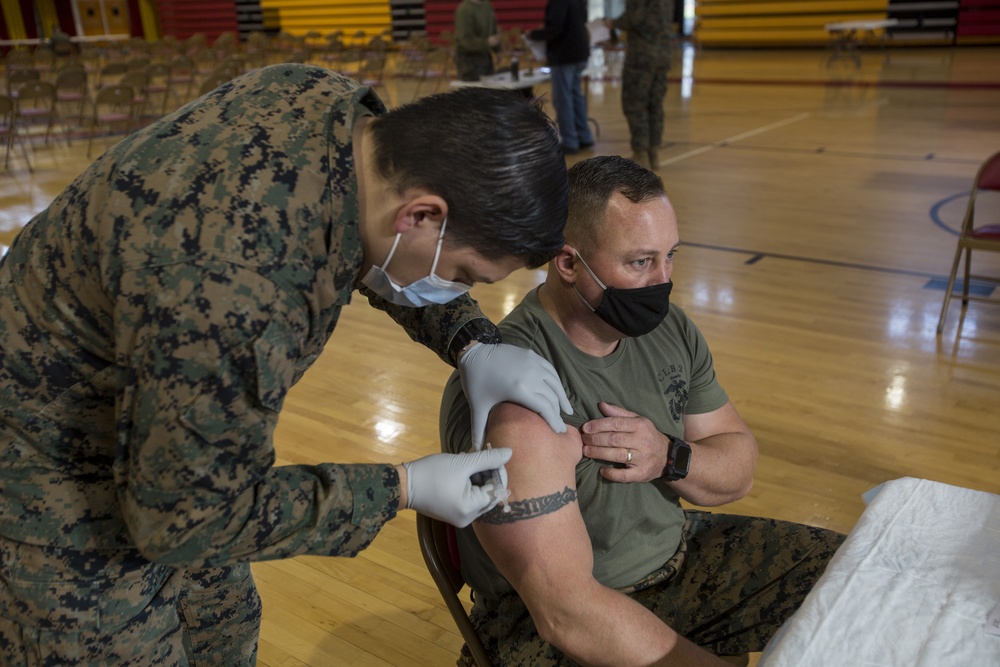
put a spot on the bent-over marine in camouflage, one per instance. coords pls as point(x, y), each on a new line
point(152, 320)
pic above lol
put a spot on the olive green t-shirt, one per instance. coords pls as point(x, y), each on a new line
point(634, 528)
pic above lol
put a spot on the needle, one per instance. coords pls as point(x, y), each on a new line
point(500, 492)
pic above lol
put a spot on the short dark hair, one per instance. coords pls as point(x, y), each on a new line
point(592, 182)
point(494, 158)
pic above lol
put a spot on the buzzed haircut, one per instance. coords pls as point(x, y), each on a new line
point(592, 183)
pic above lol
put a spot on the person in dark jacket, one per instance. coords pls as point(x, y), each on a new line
point(567, 48)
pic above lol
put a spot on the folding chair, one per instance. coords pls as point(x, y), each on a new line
point(36, 104)
point(182, 75)
point(72, 89)
point(435, 66)
point(439, 546)
point(986, 237)
point(139, 83)
point(111, 73)
point(112, 106)
point(18, 77)
point(159, 83)
point(8, 131)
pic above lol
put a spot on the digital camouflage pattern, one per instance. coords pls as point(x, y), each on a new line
point(729, 587)
point(152, 320)
point(648, 24)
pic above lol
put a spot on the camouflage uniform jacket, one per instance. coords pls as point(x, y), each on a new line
point(648, 24)
point(153, 318)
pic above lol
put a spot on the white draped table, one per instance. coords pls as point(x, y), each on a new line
point(913, 586)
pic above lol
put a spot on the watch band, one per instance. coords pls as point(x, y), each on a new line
point(480, 329)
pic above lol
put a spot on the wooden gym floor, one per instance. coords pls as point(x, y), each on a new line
point(818, 210)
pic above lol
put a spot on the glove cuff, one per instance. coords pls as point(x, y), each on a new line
point(480, 329)
point(409, 485)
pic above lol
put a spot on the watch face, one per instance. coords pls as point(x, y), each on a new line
point(682, 459)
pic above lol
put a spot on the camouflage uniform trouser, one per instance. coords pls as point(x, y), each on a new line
point(60, 608)
point(643, 90)
point(729, 587)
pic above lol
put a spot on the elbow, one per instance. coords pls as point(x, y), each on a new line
point(165, 537)
point(738, 491)
point(557, 618)
point(744, 490)
point(554, 631)
point(163, 547)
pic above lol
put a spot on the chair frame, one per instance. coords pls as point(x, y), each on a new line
point(440, 551)
point(117, 96)
point(36, 100)
point(970, 238)
point(9, 131)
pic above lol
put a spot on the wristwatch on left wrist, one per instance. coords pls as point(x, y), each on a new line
point(480, 329)
point(678, 459)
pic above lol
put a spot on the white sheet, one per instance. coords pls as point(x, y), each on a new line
point(911, 587)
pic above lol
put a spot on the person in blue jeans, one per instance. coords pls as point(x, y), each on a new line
point(567, 48)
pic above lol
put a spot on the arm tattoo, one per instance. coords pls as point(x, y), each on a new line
point(521, 510)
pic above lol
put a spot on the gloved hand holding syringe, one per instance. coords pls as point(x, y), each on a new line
point(500, 490)
point(495, 481)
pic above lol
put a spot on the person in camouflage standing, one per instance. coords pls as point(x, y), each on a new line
point(648, 24)
point(153, 318)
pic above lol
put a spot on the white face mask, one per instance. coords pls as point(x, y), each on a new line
point(424, 292)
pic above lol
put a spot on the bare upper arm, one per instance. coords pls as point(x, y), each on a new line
point(541, 546)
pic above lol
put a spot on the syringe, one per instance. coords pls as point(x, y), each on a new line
point(500, 492)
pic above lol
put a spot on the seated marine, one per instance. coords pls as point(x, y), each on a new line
point(597, 562)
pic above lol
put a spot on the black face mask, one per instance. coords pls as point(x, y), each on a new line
point(634, 312)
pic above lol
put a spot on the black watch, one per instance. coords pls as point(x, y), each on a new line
point(480, 329)
point(678, 460)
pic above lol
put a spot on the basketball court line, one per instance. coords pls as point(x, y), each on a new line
point(725, 142)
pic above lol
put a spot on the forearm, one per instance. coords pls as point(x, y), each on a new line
point(721, 471)
point(292, 510)
point(604, 627)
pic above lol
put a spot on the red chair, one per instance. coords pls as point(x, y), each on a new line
point(985, 237)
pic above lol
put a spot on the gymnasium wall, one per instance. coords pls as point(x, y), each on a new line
point(722, 23)
point(803, 22)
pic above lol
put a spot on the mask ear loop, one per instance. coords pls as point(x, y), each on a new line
point(437, 253)
point(592, 275)
point(589, 270)
point(392, 251)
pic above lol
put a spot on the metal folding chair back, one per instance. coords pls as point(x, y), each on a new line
point(18, 77)
point(36, 105)
point(973, 237)
point(112, 108)
point(8, 130)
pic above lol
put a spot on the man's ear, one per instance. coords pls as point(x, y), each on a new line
point(420, 208)
point(566, 264)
